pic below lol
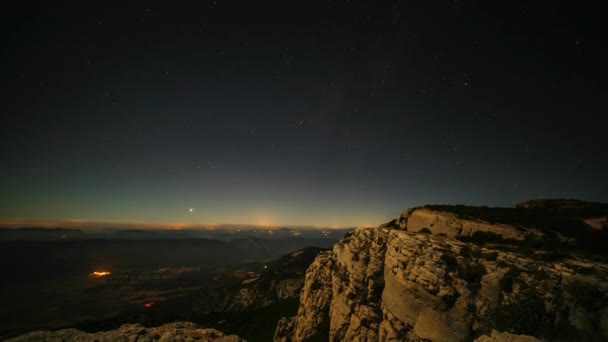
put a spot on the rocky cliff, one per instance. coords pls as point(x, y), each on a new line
point(457, 273)
point(178, 331)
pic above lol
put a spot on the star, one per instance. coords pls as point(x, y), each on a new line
point(191, 210)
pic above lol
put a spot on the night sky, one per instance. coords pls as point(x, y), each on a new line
point(331, 113)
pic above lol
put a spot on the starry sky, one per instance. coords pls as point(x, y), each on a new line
point(329, 113)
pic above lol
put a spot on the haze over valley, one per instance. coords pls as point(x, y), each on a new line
point(78, 278)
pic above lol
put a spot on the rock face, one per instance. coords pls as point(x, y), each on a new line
point(178, 331)
point(399, 282)
point(312, 321)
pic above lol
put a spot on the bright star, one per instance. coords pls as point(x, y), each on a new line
point(191, 210)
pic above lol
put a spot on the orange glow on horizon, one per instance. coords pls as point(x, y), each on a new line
point(264, 222)
point(101, 273)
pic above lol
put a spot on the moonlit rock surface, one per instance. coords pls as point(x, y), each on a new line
point(448, 224)
point(506, 337)
point(178, 331)
point(389, 284)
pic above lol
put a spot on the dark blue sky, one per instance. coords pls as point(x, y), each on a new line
point(336, 113)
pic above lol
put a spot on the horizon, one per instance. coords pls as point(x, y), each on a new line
point(143, 225)
point(92, 224)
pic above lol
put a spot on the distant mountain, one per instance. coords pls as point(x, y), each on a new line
point(40, 234)
point(224, 233)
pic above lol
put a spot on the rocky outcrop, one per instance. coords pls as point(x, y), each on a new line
point(312, 320)
point(357, 285)
point(451, 225)
point(399, 282)
point(506, 337)
point(178, 331)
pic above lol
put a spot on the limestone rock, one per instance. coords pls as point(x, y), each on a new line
point(312, 319)
point(506, 337)
point(178, 331)
point(394, 283)
point(449, 224)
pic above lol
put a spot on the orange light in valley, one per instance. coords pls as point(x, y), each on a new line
point(100, 273)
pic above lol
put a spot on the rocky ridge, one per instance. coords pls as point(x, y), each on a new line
point(178, 331)
point(442, 274)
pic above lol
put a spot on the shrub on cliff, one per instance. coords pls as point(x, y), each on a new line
point(425, 230)
point(527, 314)
point(482, 238)
point(392, 224)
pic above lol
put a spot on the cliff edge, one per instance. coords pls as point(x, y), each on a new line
point(455, 273)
